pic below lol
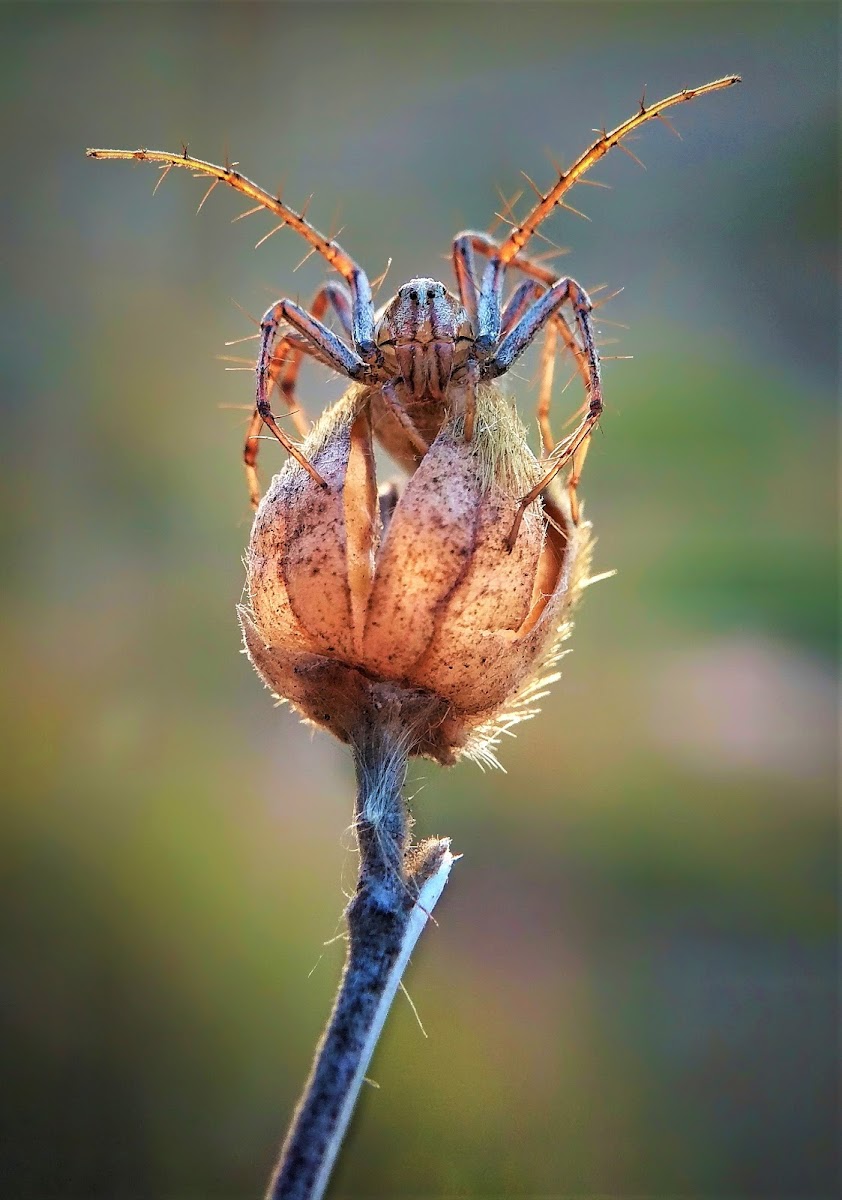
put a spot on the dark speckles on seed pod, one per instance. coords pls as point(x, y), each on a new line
point(430, 614)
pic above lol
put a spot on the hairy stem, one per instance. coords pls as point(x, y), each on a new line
point(397, 887)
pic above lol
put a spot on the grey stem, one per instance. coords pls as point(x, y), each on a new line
point(396, 890)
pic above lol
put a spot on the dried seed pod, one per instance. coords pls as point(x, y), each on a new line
point(428, 613)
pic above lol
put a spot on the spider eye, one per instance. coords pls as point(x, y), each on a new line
point(431, 293)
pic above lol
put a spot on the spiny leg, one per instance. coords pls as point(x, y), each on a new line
point(362, 323)
point(263, 416)
point(464, 266)
point(577, 462)
point(515, 308)
point(486, 245)
point(554, 198)
point(290, 342)
point(282, 371)
point(513, 345)
point(463, 253)
point(575, 448)
point(287, 357)
point(517, 304)
point(510, 347)
point(250, 458)
point(509, 251)
point(321, 343)
point(465, 245)
point(548, 359)
point(313, 338)
point(483, 301)
point(545, 391)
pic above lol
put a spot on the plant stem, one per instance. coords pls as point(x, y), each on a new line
point(397, 888)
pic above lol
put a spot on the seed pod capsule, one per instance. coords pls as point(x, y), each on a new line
point(419, 605)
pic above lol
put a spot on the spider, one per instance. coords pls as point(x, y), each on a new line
point(422, 355)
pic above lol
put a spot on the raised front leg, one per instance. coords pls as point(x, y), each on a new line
point(362, 322)
point(521, 233)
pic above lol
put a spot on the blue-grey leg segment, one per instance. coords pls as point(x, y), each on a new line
point(488, 307)
point(329, 348)
point(517, 304)
point(340, 300)
point(533, 321)
point(362, 321)
point(464, 268)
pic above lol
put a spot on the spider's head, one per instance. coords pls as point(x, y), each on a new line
point(424, 336)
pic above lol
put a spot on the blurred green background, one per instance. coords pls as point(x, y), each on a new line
point(632, 987)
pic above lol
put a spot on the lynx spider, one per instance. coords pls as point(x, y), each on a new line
point(421, 355)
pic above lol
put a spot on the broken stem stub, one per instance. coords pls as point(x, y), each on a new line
point(398, 885)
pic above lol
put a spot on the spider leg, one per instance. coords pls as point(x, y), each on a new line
point(483, 310)
point(575, 448)
point(483, 243)
point(489, 318)
point(362, 322)
point(548, 353)
point(282, 371)
point(464, 268)
point(512, 346)
point(323, 343)
point(465, 246)
point(521, 234)
point(518, 302)
point(517, 305)
point(315, 339)
point(577, 459)
point(286, 361)
point(267, 418)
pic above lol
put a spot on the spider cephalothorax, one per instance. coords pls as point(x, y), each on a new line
point(425, 338)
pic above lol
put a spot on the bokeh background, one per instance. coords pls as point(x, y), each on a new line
point(632, 987)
